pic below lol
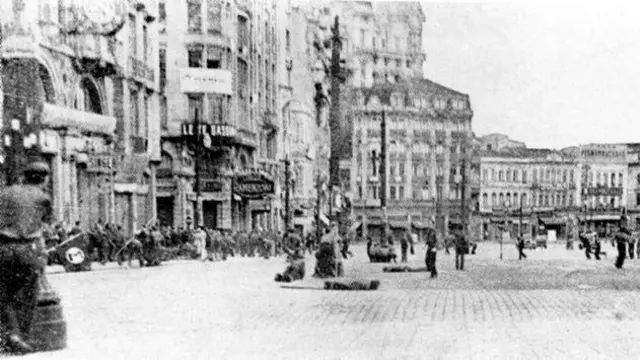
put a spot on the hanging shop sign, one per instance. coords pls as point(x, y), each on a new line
point(253, 186)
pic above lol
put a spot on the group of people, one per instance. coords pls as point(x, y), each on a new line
point(622, 239)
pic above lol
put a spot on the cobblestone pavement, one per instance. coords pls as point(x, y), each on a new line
point(233, 309)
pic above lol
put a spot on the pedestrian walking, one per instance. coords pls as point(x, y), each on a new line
point(346, 253)
point(24, 210)
point(622, 237)
point(405, 243)
point(597, 247)
point(586, 244)
point(461, 246)
point(521, 254)
point(432, 251)
point(200, 239)
point(632, 247)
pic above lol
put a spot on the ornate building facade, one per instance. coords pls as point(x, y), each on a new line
point(219, 64)
point(69, 66)
point(428, 124)
point(525, 191)
point(427, 128)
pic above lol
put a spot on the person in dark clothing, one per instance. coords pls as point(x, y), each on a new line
point(632, 245)
point(346, 253)
point(24, 212)
point(77, 229)
point(461, 245)
point(597, 247)
point(405, 241)
point(586, 244)
point(521, 254)
point(622, 237)
point(432, 251)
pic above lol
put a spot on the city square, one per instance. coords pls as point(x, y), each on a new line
point(140, 139)
point(555, 304)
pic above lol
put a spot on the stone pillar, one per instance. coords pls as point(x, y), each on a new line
point(153, 191)
point(58, 183)
point(133, 211)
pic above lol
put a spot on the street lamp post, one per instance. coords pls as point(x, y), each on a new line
point(507, 204)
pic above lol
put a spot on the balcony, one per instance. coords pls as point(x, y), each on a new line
point(140, 71)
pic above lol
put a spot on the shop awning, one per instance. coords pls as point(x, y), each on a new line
point(552, 221)
point(398, 224)
point(600, 217)
point(420, 225)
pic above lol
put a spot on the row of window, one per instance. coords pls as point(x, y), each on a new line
point(421, 102)
point(606, 179)
point(538, 175)
point(515, 200)
point(418, 169)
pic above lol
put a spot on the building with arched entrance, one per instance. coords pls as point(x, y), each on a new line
point(80, 91)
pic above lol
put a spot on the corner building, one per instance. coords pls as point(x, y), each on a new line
point(428, 125)
point(218, 61)
point(81, 87)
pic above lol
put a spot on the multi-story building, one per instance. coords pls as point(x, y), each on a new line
point(219, 63)
point(428, 124)
point(304, 106)
point(603, 184)
point(525, 190)
point(68, 69)
point(633, 185)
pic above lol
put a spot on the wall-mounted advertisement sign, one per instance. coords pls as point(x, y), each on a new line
point(211, 81)
point(604, 191)
point(603, 151)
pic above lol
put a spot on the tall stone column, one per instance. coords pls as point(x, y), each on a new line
point(153, 192)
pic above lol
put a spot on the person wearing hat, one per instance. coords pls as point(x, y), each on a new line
point(24, 210)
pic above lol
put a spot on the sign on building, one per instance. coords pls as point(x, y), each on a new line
point(199, 80)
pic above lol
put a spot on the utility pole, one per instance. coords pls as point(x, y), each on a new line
point(337, 140)
point(318, 204)
point(287, 192)
point(196, 123)
point(383, 174)
point(463, 203)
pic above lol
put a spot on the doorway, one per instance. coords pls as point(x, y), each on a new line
point(210, 213)
point(164, 208)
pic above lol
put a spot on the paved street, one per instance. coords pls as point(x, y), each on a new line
point(553, 305)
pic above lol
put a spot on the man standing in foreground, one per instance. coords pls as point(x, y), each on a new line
point(24, 209)
point(622, 237)
point(461, 247)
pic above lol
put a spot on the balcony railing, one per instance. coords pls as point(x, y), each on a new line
point(140, 71)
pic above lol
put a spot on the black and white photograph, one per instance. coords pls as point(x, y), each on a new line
point(319, 179)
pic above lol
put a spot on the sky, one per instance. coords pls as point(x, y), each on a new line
point(549, 74)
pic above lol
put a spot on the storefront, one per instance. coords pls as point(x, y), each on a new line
point(554, 227)
point(249, 190)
